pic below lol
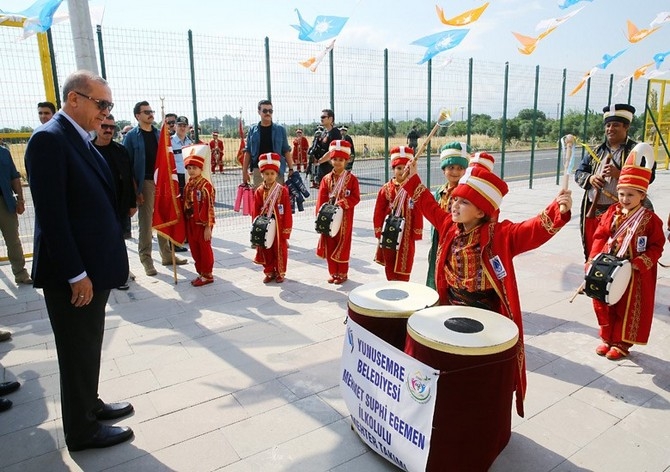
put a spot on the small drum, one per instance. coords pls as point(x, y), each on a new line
point(475, 351)
point(329, 219)
point(607, 278)
point(383, 307)
point(392, 233)
point(263, 231)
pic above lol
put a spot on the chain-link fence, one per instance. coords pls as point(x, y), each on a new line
point(377, 94)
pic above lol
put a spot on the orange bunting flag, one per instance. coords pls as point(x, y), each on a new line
point(581, 83)
point(641, 71)
point(530, 43)
point(168, 218)
point(463, 19)
point(635, 35)
point(313, 62)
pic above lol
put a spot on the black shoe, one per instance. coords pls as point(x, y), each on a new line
point(112, 411)
point(123, 287)
point(9, 387)
point(180, 249)
point(5, 404)
point(106, 436)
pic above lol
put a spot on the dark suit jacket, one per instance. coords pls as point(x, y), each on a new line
point(76, 225)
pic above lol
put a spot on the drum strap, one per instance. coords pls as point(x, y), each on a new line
point(485, 299)
point(399, 202)
point(337, 188)
point(629, 226)
point(269, 204)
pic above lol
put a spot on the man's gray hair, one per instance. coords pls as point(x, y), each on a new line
point(79, 81)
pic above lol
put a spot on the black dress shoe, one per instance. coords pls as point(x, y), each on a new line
point(112, 411)
point(180, 249)
point(106, 436)
point(5, 404)
point(9, 387)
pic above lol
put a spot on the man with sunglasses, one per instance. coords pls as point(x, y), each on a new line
point(79, 254)
point(262, 138)
point(118, 160)
point(321, 154)
point(171, 120)
point(142, 145)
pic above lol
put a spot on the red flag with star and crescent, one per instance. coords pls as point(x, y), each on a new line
point(168, 217)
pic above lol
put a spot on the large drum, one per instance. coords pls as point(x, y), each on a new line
point(607, 278)
point(329, 219)
point(475, 351)
point(383, 307)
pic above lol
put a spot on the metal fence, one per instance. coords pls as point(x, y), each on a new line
point(203, 76)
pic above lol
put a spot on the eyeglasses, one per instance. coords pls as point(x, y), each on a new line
point(102, 104)
point(267, 110)
point(148, 112)
point(170, 122)
point(323, 117)
point(110, 127)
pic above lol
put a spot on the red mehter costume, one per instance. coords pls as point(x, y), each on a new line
point(217, 151)
point(336, 250)
point(199, 197)
point(629, 320)
point(392, 199)
point(275, 259)
point(300, 147)
point(499, 242)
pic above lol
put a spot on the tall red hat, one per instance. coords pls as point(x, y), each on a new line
point(482, 188)
point(269, 161)
point(340, 149)
point(400, 155)
point(636, 171)
point(483, 159)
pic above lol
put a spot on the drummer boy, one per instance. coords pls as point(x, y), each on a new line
point(475, 250)
point(341, 187)
point(272, 199)
point(393, 200)
point(630, 231)
point(455, 157)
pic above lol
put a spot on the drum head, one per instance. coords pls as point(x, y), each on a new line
point(393, 299)
point(270, 233)
point(337, 221)
point(620, 278)
point(463, 330)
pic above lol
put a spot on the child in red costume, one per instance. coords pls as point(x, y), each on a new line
point(392, 199)
point(217, 151)
point(631, 231)
point(475, 252)
point(272, 199)
point(300, 147)
point(340, 187)
point(199, 211)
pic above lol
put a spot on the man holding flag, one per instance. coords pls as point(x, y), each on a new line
point(142, 143)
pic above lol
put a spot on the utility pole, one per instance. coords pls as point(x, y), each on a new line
point(82, 35)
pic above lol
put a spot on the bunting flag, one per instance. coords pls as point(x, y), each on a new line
point(463, 19)
point(581, 83)
point(438, 42)
point(569, 3)
point(641, 71)
point(621, 85)
point(554, 22)
point(313, 62)
point(530, 43)
point(660, 57)
point(168, 218)
point(663, 17)
point(37, 18)
point(635, 35)
point(240, 130)
point(324, 27)
point(607, 59)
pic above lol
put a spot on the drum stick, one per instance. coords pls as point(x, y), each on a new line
point(442, 120)
point(569, 141)
point(579, 290)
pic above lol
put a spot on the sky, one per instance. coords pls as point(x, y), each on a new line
point(577, 44)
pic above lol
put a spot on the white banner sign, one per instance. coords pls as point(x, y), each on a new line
point(391, 398)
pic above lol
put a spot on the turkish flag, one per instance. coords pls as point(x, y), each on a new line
point(240, 151)
point(168, 217)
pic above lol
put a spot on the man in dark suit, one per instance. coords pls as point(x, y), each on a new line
point(79, 253)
